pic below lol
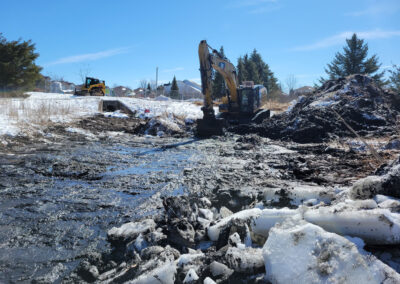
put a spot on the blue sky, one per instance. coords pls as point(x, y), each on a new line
point(124, 41)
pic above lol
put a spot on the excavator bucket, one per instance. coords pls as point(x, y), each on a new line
point(210, 127)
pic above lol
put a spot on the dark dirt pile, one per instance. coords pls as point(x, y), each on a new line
point(159, 126)
point(367, 108)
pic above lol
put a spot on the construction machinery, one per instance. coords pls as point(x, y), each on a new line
point(242, 103)
point(92, 87)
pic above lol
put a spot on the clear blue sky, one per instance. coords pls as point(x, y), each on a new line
point(123, 41)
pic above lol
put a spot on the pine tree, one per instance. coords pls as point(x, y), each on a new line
point(17, 64)
point(174, 94)
point(148, 87)
point(218, 87)
point(254, 69)
point(242, 73)
point(353, 60)
point(395, 78)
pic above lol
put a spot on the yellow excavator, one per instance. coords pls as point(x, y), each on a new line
point(242, 103)
point(92, 87)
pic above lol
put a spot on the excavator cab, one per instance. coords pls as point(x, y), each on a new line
point(242, 103)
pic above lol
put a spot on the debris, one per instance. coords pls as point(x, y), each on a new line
point(362, 104)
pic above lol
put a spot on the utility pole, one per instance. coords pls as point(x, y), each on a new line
point(156, 79)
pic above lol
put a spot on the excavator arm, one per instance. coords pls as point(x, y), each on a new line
point(221, 65)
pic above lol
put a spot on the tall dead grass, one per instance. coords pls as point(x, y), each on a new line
point(38, 113)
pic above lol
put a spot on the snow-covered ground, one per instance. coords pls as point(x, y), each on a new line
point(25, 116)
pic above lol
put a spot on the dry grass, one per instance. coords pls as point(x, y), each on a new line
point(13, 94)
point(38, 113)
point(276, 106)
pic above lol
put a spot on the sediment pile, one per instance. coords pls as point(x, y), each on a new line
point(357, 99)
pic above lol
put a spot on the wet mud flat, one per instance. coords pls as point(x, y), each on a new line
point(59, 197)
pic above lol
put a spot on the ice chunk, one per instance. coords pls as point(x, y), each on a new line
point(164, 274)
point(374, 226)
point(191, 276)
point(188, 258)
point(217, 269)
point(305, 252)
point(269, 217)
point(206, 213)
point(303, 194)
point(249, 214)
point(208, 280)
point(131, 230)
point(140, 243)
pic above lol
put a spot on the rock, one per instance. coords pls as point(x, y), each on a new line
point(248, 260)
point(130, 231)
point(181, 233)
point(204, 202)
point(151, 252)
point(234, 227)
point(299, 250)
point(191, 276)
point(180, 207)
point(220, 270)
point(87, 271)
point(387, 184)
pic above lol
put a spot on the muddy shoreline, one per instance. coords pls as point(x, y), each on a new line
point(60, 196)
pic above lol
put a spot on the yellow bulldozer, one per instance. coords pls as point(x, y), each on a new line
point(92, 87)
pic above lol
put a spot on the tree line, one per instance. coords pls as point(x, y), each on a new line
point(18, 70)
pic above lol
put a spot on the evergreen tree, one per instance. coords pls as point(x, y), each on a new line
point(254, 69)
point(242, 73)
point(353, 60)
point(174, 94)
point(395, 78)
point(218, 86)
point(17, 64)
point(148, 87)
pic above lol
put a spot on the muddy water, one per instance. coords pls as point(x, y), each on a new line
point(58, 200)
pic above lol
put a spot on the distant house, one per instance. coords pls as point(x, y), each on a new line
point(187, 89)
point(121, 91)
point(303, 91)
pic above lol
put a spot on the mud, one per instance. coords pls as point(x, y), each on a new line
point(60, 196)
point(360, 102)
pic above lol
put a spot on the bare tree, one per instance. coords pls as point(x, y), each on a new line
point(143, 84)
point(84, 72)
point(291, 83)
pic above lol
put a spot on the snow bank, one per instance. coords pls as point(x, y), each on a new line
point(64, 108)
point(300, 251)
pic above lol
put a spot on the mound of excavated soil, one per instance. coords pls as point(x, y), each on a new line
point(367, 108)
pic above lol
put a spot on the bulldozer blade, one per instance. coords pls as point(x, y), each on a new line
point(209, 127)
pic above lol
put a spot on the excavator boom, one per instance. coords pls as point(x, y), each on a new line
point(209, 125)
